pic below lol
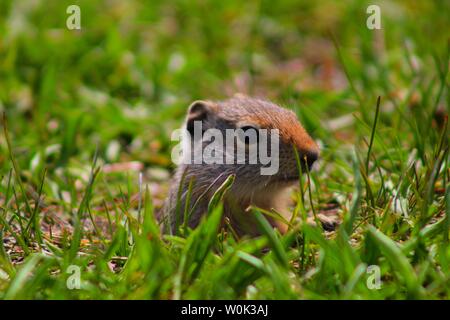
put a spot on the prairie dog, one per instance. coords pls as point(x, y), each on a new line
point(250, 186)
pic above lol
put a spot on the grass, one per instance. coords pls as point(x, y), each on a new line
point(85, 112)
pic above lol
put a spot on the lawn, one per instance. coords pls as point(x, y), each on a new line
point(85, 145)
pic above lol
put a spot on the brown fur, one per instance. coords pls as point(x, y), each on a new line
point(249, 188)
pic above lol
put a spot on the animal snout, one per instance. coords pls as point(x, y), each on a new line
point(311, 157)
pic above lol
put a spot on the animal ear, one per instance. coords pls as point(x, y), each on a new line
point(240, 95)
point(198, 111)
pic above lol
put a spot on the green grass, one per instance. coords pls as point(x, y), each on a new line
point(86, 111)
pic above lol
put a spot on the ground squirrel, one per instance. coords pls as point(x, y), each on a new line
point(250, 186)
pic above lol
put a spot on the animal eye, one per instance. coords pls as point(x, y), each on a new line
point(250, 134)
point(248, 128)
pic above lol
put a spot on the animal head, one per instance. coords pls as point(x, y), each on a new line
point(250, 116)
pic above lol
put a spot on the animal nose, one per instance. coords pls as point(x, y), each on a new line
point(311, 157)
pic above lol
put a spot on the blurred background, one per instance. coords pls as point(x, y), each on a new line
point(116, 89)
point(123, 82)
